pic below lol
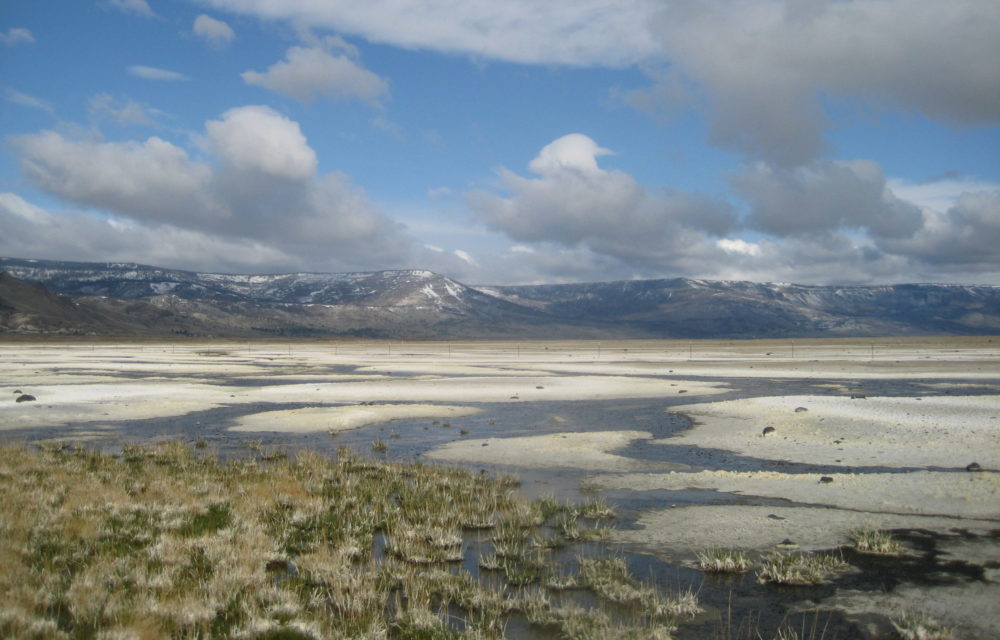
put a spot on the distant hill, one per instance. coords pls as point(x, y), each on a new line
point(133, 299)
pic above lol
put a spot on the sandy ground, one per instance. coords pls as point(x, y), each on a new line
point(589, 451)
point(319, 419)
point(108, 383)
point(968, 610)
point(940, 431)
point(963, 495)
point(681, 532)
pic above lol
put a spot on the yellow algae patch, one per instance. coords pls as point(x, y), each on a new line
point(342, 418)
point(960, 494)
point(590, 451)
point(687, 530)
point(932, 431)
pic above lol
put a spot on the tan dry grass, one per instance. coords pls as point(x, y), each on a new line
point(160, 542)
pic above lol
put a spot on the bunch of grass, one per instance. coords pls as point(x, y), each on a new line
point(724, 561)
point(912, 625)
point(875, 541)
point(611, 579)
point(798, 568)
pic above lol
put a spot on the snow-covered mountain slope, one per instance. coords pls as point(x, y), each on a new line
point(414, 303)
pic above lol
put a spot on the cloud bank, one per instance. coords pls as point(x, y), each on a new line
point(258, 186)
point(581, 32)
point(826, 222)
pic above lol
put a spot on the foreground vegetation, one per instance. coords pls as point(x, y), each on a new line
point(164, 542)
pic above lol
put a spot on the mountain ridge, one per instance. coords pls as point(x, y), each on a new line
point(416, 303)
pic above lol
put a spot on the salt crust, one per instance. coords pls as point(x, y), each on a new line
point(589, 451)
point(342, 418)
point(686, 530)
point(932, 431)
point(956, 494)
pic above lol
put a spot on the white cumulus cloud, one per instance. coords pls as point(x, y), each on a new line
point(308, 73)
point(259, 139)
point(258, 186)
point(575, 202)
point(215, 32)
point(826, 196)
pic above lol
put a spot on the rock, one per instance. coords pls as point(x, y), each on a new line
point(683, 391)
point(25, 398)
point(858, 396)
point(825, 480)
point(539, 387)
point(787, 544)
point(767, 430)
point(800, 409)
point(774, 517)
point(18, 391)
point(973, 466)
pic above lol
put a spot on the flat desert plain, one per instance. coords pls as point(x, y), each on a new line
point(734, 444)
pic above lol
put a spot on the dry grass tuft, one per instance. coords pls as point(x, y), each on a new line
point(724, 561)
point(798, 568)
point(875, 541)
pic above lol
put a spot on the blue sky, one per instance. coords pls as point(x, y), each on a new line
point(516, 142)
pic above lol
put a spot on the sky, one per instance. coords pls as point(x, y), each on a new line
point(515, 142)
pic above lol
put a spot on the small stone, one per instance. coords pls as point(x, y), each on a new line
point(858, 396)
point(486, 444)
point(788, 544)
point(539, 387)
point(25, 398)
point(774, 517)
point(767, 430)
point(800, 409)
point(973, 466)
point(825, 480)
point(18, 391)
point(683, 391)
